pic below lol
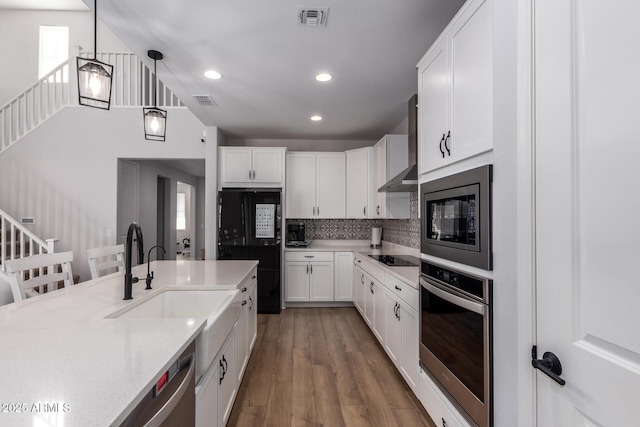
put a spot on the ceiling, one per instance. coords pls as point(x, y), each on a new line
point(268, 61)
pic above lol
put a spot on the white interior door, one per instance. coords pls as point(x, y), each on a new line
point(587, 70)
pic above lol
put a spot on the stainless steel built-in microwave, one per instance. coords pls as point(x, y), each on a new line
point(456, 217)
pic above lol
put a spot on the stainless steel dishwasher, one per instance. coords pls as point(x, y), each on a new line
point(172, 401)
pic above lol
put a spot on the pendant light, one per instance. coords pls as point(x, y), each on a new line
point(94, 77)
point(155, 119)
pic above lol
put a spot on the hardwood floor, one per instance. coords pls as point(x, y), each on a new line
point(322, 367)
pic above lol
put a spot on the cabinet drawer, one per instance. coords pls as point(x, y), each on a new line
point(308, 256)
point(437, 406)
point(249, 283)
point(372, 269)
point(402, 290)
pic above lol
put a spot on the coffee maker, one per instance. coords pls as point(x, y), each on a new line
point(296, 235)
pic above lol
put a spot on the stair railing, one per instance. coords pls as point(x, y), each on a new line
point(132, 86)
point(17, 242)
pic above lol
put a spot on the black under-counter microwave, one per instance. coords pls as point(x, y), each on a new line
point(456, 217)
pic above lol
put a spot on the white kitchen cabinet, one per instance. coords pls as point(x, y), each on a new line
point(401, 337)
point(368, 303)
point(343, 264)
point(455, 90)
point(359, 183)
point(321, 281)
point(245, 327)
point(217, 389)
point(390, 156)
point(252, 324)
point(296, 279)
point(315, 185)
point(393, 329)
point(379, 311)
point(207, 398)
point(440, 409)
point(251, 166)
point(358, 286)
point(226, 380)
point(309, 276)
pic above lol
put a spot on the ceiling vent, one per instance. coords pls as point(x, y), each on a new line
point(205, 100)
point(313, 17)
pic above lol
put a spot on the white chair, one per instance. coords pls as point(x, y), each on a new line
point(36, 271)
point(98, 264)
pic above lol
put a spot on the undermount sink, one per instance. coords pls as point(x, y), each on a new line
point(221, 308)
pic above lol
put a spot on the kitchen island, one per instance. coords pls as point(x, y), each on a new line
point(64, 363)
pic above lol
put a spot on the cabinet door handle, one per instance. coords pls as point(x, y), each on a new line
point(318, 210)
point(253, 277)
point(398, 288)
point(309, 256)
point(311, 268)
point(395, 307)
point(371, 287)
point(244, 302)
point(364, 211)
point(445, 143)
point(362, 278)
point(250, 303)
point(440, 145)
point(221, 372)
point(244, 289)
point(307, 268)
point(378, 210)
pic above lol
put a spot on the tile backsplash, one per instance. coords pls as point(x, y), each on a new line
point(404, 232)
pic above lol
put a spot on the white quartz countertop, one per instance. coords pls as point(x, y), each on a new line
point(62, 363)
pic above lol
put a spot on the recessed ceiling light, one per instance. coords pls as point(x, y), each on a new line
point(212, 74)
point(316, 118)
point(324, 77)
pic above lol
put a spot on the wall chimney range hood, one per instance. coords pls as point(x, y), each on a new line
point(407, 180)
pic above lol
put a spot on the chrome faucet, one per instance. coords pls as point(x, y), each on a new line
point(128, 278)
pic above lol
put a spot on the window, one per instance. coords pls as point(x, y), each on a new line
point(181, 218)
point(54, 49)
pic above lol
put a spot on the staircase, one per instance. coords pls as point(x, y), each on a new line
point(16, 241)
point(132, 87)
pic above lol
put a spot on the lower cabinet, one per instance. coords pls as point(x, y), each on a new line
point(309, 276)
point(343, 265)
point(216, 389)
point(216, 392)
point(358, 288)
point(246, 328)
point(390, 308)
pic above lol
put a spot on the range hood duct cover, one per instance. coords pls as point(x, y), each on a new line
point(407, 180)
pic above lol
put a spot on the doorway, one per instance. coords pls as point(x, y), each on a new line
point(185, 220)
point(163, 211)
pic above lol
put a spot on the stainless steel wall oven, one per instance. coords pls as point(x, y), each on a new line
point(456, 217)
point(455, 337)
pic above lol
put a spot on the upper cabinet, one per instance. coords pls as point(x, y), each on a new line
point(251, 167)
point(315, 185)
point(359, 183)
point(390, 156)
point(455, 90)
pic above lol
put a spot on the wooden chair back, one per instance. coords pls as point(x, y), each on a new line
point(105, 258)
point(37, 271)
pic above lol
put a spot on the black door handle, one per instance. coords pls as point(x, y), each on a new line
point(549, 365)
point(440, 146)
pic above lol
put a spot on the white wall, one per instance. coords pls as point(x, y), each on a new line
point(64, 174)
point(19, 30)
point(511, 348)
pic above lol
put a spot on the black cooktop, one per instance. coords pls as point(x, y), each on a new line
point(397, 260)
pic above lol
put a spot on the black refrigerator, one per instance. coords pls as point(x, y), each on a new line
point(249, 228)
